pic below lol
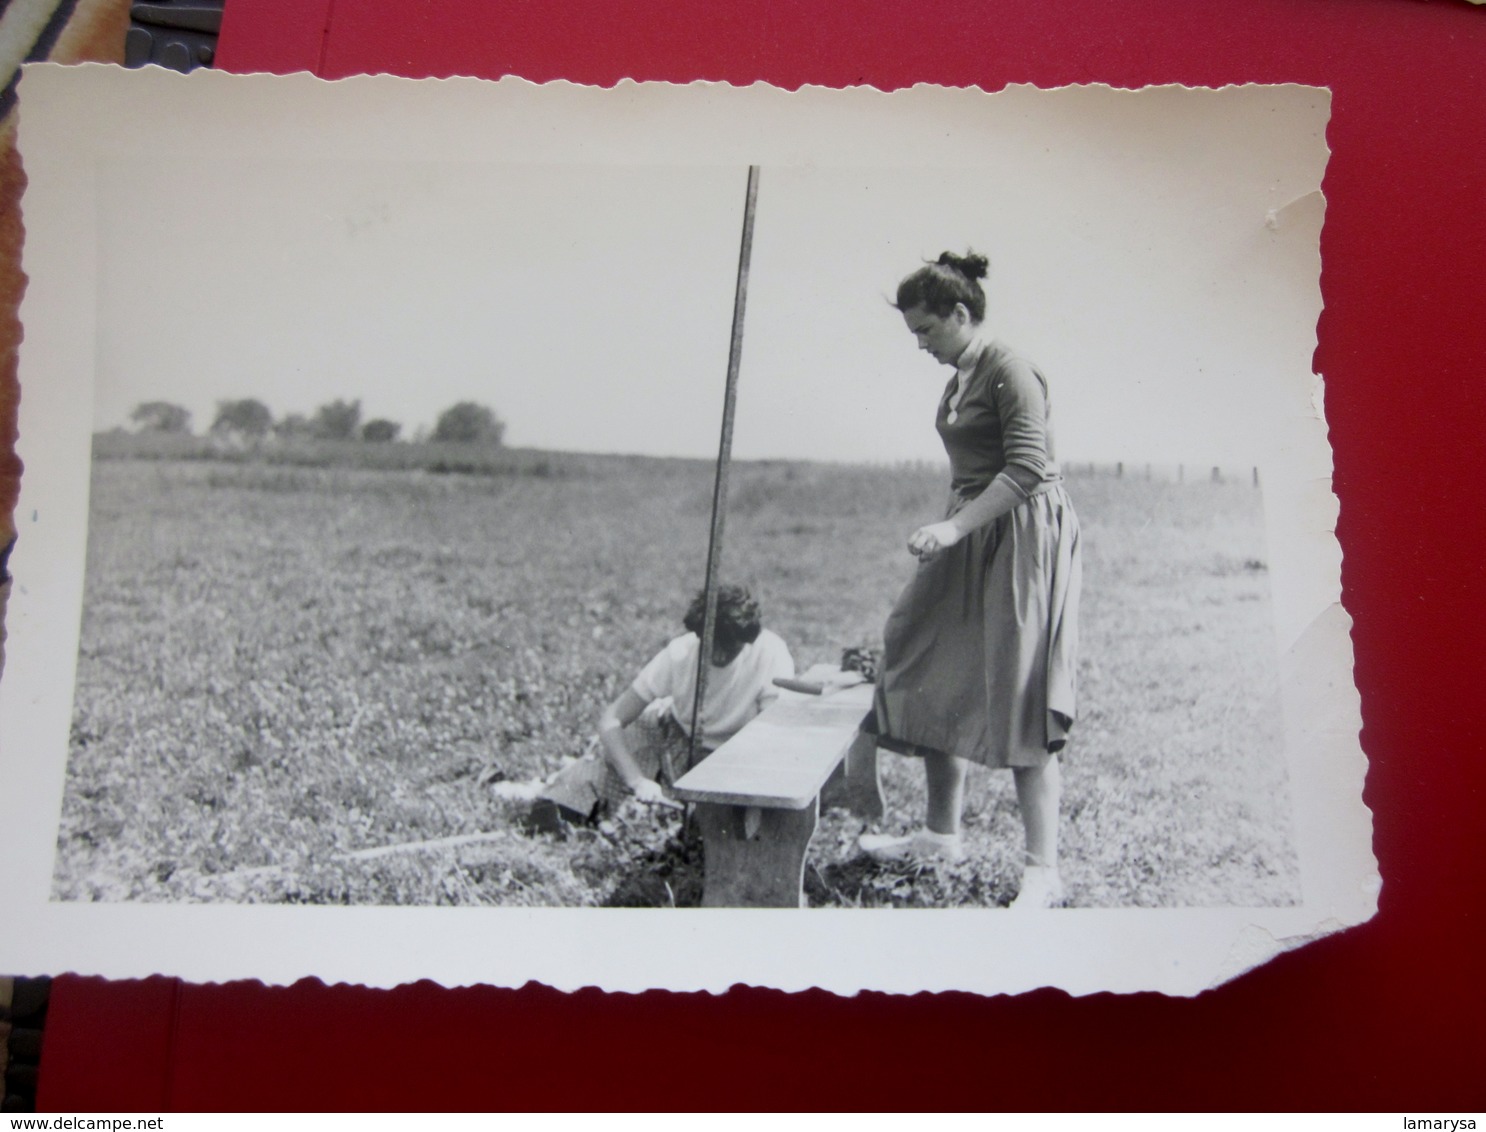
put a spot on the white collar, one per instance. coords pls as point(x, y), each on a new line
point(965, 366)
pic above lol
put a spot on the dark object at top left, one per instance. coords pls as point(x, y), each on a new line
point(179, 34)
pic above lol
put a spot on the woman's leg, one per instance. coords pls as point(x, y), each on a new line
point(945, 775)
point(586, 786)
point(577, 789)
point(1039, 790)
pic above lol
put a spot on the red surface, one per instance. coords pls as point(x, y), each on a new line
point(1388, 1016)
point(277, 37)
point(108, 1045)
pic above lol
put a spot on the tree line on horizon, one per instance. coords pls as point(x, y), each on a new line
point(249, 419)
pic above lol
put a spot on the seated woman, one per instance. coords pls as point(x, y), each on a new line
point(645, 733)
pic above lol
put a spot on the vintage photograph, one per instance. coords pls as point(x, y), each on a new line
point(399, 507)
point(393, 543)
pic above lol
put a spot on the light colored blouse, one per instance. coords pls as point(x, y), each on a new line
point(735, 694)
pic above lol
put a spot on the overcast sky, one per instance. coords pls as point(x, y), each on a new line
point(590, 306)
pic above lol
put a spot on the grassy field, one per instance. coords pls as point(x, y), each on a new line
point(289, 659)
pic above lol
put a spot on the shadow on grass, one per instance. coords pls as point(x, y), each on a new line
point(668, 875)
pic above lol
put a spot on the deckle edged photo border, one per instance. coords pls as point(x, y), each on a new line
point(1228, 259)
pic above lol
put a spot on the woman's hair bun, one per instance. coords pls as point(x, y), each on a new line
point(939, 286)
point(970, 265)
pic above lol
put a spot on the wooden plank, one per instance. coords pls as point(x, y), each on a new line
point(755, 858)
point(438, 844)
point(857, 784)
point(783, 757)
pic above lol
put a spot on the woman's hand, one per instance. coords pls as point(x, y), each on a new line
point(652, 793)
point(928, 541)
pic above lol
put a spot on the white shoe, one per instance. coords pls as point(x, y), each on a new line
point(517, 791)
point(1041, 888)
point(923, 845)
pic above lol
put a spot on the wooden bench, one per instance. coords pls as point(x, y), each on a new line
point(758, 796)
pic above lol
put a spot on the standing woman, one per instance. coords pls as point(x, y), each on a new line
point(981, 649)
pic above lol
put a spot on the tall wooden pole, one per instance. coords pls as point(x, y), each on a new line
point(724, 457)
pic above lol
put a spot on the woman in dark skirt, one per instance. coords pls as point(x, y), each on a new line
point(980, 652)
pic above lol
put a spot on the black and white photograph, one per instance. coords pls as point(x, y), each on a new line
point(423, 448)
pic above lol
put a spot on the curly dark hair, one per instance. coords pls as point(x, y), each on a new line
point(951, 279)
point(739, 620)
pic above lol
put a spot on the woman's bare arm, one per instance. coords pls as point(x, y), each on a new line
point(615, 718)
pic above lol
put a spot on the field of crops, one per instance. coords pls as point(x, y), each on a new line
point(287, 662)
